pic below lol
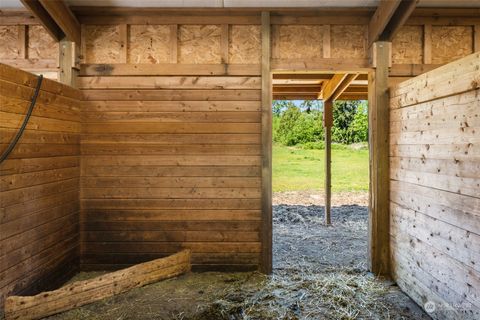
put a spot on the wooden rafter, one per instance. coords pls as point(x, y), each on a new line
point(337, 85)
point(388, 18)
point(343, 86)
point(64, 18)
point(380, 19)
point(45, 19)
point(302, 76)
point(332, 85)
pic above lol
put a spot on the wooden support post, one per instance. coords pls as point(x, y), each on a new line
point(327, 125)
point(123, 43)
point(83, 44)
point(67, 71)
point(378, 108)
point(476, 38)
point(224, 43)
point(266, 236)
point(22, 41)
point(173, 43)
point(427, 44)
point(326, 41)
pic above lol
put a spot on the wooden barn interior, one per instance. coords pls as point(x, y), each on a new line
point(152, 133)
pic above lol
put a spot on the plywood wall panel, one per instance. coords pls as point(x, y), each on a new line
point(40, 44)
point(450, 43)
point(407, 45)
point(149, 44)
point(103, 44)
point(348, 41)
point(297, 42)
point(199, 44)
point(9, 42)
point(244, 44)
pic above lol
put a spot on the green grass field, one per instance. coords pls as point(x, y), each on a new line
point(298, 169)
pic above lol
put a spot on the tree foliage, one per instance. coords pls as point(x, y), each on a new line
point(301, 123)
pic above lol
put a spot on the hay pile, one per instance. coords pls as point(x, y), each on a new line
point(290, 295)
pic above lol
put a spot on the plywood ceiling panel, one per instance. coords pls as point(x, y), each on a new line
point(248, 3)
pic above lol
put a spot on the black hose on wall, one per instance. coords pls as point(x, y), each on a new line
point(17, 137)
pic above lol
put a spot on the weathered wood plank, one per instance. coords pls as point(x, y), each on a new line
point(169, 69)
point(194, 149)
point(379, 218)
point(167, 160)
point(169, 193)
point(266, 129)
point(173, 82)
point(171, 139)
point(153, 127)
point(174, 182)
point(171, 95)
point(219, 116)
point(172, 171)
point(140, 204)
point(170, 106)
point(83, 292)
point(173, 215)
point(449, 79)
point(442, 239)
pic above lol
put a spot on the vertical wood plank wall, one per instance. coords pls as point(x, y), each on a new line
point(39, 184)
point(435, 188)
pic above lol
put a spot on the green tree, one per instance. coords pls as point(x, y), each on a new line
point(359, 125)
point(296, 127)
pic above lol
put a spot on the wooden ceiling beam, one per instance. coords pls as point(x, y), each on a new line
point(399, 18)
point(302, 76)
point(343, 86)
point(64, 18)
point(354, 96)
point(332, 85)
point(380, 19)
point(44, 18)
point(388, 18)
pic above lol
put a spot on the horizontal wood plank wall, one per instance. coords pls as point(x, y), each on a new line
point(39, 184)
point(171, 162)
point(435, 188)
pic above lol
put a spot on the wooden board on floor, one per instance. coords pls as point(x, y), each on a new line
point(83, 292)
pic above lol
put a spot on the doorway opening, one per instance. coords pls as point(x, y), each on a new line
point(320, 203)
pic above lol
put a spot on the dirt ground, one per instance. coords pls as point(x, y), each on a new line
point(319, 273)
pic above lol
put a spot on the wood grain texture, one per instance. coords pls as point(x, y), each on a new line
point(9, 42)
point(297, 42)
point(407, 46)
point(379, 218)
point(199, 44)
point(244, 44)
point(450, 43)
point(435, 186)
point(39, 185)
point(266, 147)
point(87, 291)
point(103, 44)
point(170, 161)
point(149, 44)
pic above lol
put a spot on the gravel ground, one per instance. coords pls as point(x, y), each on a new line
point(319, 273)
